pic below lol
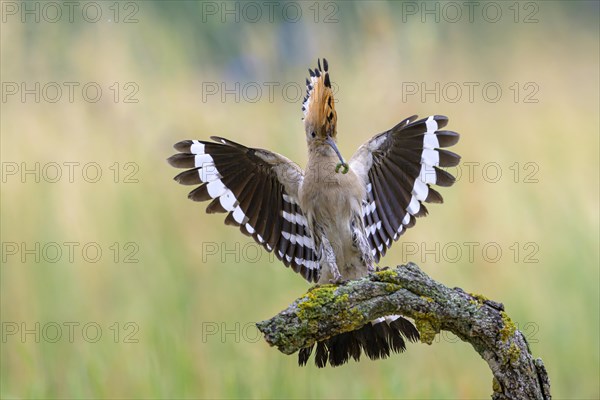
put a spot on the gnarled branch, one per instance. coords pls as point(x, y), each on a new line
point(329, 310)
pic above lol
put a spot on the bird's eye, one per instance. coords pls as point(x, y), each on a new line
point(313, 134)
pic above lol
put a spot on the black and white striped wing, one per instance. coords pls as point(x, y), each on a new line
point(259, 191)
point(398, 168)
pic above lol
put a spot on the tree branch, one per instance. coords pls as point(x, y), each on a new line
point(328, 310)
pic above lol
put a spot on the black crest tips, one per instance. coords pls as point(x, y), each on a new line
point(325, 65)
point(327, 82)
point(319, 64)
point(311, 73)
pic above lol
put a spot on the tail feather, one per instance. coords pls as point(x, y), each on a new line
point(304, 355)
point(321, 355)
point(378, 339)
point(403, 325)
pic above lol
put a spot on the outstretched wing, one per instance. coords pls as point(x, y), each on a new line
point(259, 191)
point(398, 168)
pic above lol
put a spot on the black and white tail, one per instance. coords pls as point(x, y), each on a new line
point(378, 339)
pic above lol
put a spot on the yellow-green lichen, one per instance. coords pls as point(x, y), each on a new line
point(349, 319)
point(514, 353)
point(480, 298)
point(392, 287)
point(309, 308)
point(428, 326)
point(496, 387)
point(388, 275)
point(427, 299)
point(477, 301)
point(508, 327)
point(314, 300)
point(343, 298)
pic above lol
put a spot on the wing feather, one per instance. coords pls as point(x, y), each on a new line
point(257, 189)
point(400, 166)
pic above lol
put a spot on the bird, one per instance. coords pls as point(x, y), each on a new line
point(332, 221)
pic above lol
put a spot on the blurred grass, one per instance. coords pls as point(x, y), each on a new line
point(176, 289)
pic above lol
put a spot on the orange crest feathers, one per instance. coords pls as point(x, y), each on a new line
point(318, 105)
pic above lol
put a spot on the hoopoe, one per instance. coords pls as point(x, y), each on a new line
point(334, 220)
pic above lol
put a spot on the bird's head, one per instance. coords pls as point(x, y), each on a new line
point(320, 118)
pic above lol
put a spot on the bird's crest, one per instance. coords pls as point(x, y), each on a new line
point(319, 105)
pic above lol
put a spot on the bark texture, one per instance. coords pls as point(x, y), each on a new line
point(328, 310)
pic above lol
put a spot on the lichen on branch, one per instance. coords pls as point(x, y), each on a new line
point(328, 310)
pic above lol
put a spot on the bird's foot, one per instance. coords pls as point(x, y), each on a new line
point(337, 278)
point(377, 269)
point(339, 281)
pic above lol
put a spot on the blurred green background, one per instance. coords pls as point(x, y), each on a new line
point(177, 319)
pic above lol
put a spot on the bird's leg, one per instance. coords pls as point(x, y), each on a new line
point(337, 277)
point(360, 240)
point(329, 257)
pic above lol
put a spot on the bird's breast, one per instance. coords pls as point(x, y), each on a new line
point(330, 207)
point(330, 202)
point(330, 195)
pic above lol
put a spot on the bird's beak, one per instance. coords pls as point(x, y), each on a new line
point(330, 142)
point(342, 163)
